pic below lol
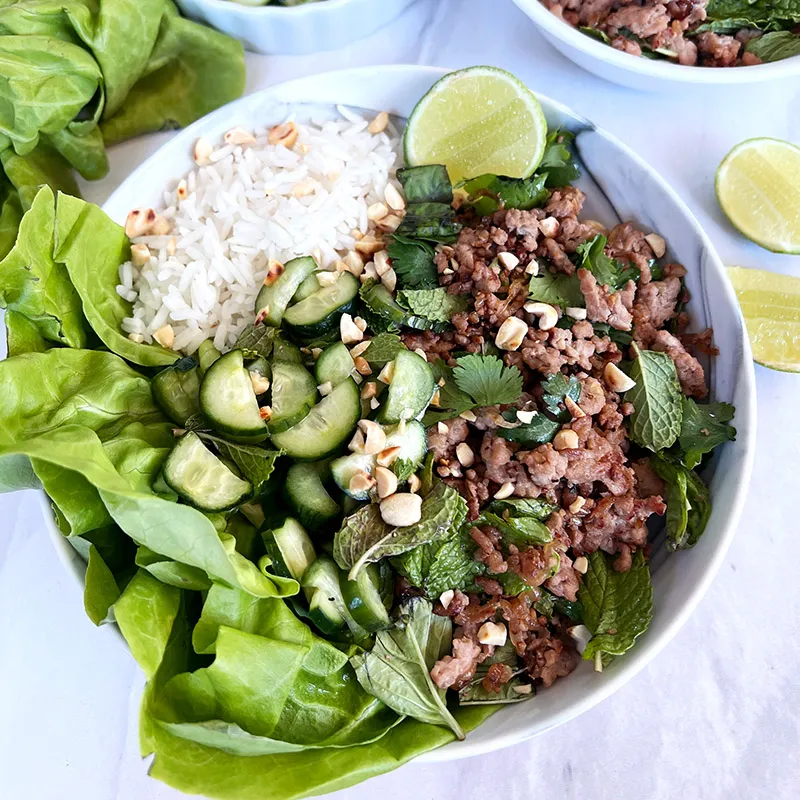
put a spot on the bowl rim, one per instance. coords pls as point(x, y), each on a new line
point(646, 649)
point(646, 67)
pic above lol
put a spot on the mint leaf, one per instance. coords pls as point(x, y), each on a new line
point(413, 262)
point(688, 504)
point(397, 669)
point(255, 463)
point(426, 184)
point(434, 222)
point(488, 192)
point(436, 305)
point(487, 380)
point(617, 606)
point(557, 289)
point(703, 428)
point(365, 538)
point(382, 349)
point(557, 388)
point(607, 271)
point(525, 507)
point(774, 46)
point(519, 531)
point(258, 339)
point(766, 15)
point(656, 399)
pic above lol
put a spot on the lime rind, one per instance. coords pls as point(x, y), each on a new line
point(758, 187)
point(455, 124)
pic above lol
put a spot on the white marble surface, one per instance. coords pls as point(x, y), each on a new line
point(718, 713)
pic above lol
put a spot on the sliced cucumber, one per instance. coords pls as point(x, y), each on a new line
point(200, 478)
point(343, 469)
point(306, 288)
point(161, 487)
point(273, 300)
point(318, 315)
point(289, 547)
point(323, 590)
point(327, 426)
point(363, 599)
point(294, 393)
point(206, 355)
point(177, 390)
point(334, 365)
point(411, 388)
point(308, 497)
point(412, 440)
point(228, 400)
point(286, 351)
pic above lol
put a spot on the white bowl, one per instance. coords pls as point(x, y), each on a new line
point(644, 73)
point(616, 179)
point(296, 30)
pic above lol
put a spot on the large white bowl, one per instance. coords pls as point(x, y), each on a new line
point(296, 30)
point(644, 73)
point(620, 186)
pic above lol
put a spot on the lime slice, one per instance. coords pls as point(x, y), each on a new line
point(771, 307)
point(476, 121)
point(758, 187)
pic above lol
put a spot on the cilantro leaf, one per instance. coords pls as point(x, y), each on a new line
point(688, 504)
point(558, 162)
point(487, 380)
point(617, 606)
point(607, 271)
point(656, 399)
point(382, 349)
point(426, 184)
point(437, 305)
point(703, 428)
point(557, 388)
point(452, 401)
point(557, 289)
point(413, 262)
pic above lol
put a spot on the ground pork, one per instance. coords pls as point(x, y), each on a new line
point(445, 436)
point(654, 305)
point(602, 305)
point(545, 464)
point(497, 677)
point(690, 371)
point(565, 202)
point(718, 50)
point(548, 657)
point(598, 459)
point(565, 583)
point(457, 669)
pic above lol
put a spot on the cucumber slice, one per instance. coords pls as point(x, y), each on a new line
point(411, 388)
point(294, 393)
point(273, 300)
point(206, 355)
point(343, 469)
point(200, 478)
point(289, 547)
point(228, 400)
point(286, 351)
point(319, 313)
point(378, 299)
point(306, 288)
point(177, 390)
point(323, 590)
point(307, 496)
point(334, 365)
point(363, 599)
point(412, 440)
point(327, 426)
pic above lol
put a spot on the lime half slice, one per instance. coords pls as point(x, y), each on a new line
point(771, 307)
point(476, 121)
point(758, 187)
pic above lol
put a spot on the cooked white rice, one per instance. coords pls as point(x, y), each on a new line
point(240, 211)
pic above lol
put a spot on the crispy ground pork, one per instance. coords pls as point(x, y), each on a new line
point(604, 495)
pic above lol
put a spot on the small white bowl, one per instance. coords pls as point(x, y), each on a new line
point(296, 30)
point(620, 186)
point(644, 73)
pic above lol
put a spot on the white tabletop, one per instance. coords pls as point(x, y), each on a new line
point(718, 713)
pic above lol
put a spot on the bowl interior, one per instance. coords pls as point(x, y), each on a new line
point(620, 186)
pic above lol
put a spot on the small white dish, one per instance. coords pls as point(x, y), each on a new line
point(296, 30)
point(644, 73)
point(620, 186)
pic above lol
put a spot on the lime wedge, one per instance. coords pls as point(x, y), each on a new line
point(758, 187)
point(771, 307)
point(476, 121)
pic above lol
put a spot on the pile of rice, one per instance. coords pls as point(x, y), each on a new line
point(250, 204)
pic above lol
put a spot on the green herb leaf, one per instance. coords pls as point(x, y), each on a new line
point(549, 604)
point(255, 463)
point(404, 468)
point(433, 222)
point(413, 263)
point(519, 531)
point(617, 606)
point(365, 538)
point(257, 339)
point(557, 388)
point(487, 380)
point(452, 401)
point(474, 693)
point(539, 430)
point(656, 399)
point(436, 305)
point(703, 428)
point(397, 669)
point(487, 193)
point(525, 507)
point(426, 184)
point(558, 161)
point(775, 46)
point(382, 349)
point(556, 289)
point(730, 16)
point(606, 270)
